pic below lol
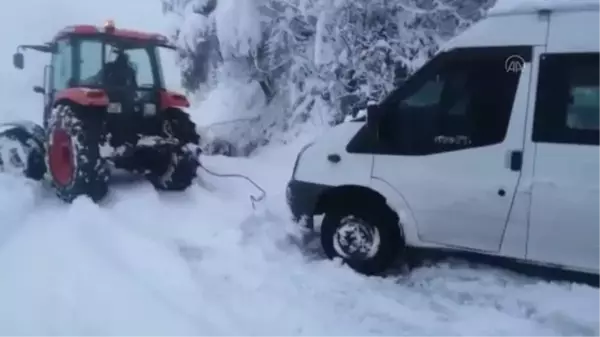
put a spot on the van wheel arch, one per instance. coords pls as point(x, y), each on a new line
point(334, 195)
point(350, 195)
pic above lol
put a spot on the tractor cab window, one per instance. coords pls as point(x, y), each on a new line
point(118, 64)
point(90, 61)
point(62, 65)
point(136, 62)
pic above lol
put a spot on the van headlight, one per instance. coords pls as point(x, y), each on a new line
point(304, 148)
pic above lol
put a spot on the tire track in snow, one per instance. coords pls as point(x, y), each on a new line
point(21, 199)
point(115, 269)
point(48, 272)
point(69, 249)
point(143, 258)
point(446, 294)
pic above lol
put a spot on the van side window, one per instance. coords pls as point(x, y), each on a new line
point(567, 105)
point(582, 111)
point(464, 100)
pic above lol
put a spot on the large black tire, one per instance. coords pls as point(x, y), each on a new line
point(182, 127)
point(179, 174)
point(21, 150)
point(345, 224)
point(75, 167)
point(183, 162)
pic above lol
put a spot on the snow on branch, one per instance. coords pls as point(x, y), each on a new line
point(330, 55)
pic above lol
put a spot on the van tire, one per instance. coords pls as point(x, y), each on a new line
point(377, 222)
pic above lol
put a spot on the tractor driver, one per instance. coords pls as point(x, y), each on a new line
point(120, 73)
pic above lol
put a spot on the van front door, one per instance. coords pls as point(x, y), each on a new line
point(564, 219)
point(452, 143)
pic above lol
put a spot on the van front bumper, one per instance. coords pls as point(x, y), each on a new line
point(302, 198)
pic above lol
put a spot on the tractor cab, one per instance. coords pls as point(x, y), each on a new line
point(118, 68)
point(106, 106)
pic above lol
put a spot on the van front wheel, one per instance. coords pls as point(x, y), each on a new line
point(367, 239)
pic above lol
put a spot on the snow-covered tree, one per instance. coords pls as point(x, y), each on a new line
point(313, 59)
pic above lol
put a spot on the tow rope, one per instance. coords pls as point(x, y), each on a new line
point(254, 200)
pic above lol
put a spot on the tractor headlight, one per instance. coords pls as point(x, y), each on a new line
point(113, 108)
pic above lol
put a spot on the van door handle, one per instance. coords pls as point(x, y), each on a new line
point(515, 161)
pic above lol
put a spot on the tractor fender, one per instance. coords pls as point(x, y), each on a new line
point(83, 96)
point(170, 99)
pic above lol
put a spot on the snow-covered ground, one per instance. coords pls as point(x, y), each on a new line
point(204, 262)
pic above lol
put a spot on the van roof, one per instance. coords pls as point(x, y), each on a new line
point(512, 7)
point(514, 23)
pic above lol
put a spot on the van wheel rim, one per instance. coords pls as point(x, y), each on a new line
point(60, 157)
point(355, 239)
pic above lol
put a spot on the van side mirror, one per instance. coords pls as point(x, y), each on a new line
point(18, 60)
point(39, 90)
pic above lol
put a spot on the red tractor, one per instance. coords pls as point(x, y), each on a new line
point(106, 106)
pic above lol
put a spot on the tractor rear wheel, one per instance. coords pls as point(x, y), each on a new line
point(75, 167)
point(181, 164)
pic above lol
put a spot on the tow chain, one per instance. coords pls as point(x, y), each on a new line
point(254, 200)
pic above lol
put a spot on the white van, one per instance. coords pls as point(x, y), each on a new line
point(491, 147)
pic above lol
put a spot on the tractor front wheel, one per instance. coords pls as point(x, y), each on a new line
point(75, 167)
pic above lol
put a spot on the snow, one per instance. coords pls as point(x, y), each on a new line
point(203, 262)
point(238, 23)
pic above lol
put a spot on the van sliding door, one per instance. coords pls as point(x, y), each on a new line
point(564, 216)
